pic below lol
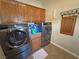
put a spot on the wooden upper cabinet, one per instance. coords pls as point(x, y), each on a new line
point(8, 11)
point(0, 13)
point(22, 13)
point(26, 14)
point(39, 15)
point(42, 15)
point(13, 11)
point(30, 13)
point(36, 14)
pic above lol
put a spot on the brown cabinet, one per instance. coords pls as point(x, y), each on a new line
point(42, 15)
point(13, 11)
point(36, 15)
point(22, 13)
point(31, 13)
point(36, 42)
point(8, 11)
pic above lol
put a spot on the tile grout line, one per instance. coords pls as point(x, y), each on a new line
point(75, 55)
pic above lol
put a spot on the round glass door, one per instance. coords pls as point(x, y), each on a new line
point(16, 38)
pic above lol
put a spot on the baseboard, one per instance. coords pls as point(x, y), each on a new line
point(65, 49)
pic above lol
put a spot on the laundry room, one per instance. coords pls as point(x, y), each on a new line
point(39, 29)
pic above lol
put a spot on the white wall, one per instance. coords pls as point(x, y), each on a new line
point(31, 2)
point(56, 6)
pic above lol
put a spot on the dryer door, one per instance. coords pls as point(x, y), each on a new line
point(16, 38)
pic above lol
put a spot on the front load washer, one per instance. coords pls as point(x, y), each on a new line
point(15, 41)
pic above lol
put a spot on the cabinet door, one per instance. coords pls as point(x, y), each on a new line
point(36, 42)
point(22, 13)
point(26, 18)
point(30, 13)
point(0, 12)
point(36, 15)
point(42, 15)
point(33, 14)
point(39, 15)
point(8, 11)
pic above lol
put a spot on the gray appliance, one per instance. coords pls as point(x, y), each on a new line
point(14, 40)
point(46, 33)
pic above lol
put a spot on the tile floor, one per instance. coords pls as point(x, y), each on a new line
point(56, 53)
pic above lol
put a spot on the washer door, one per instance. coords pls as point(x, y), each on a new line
point(16, 38)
